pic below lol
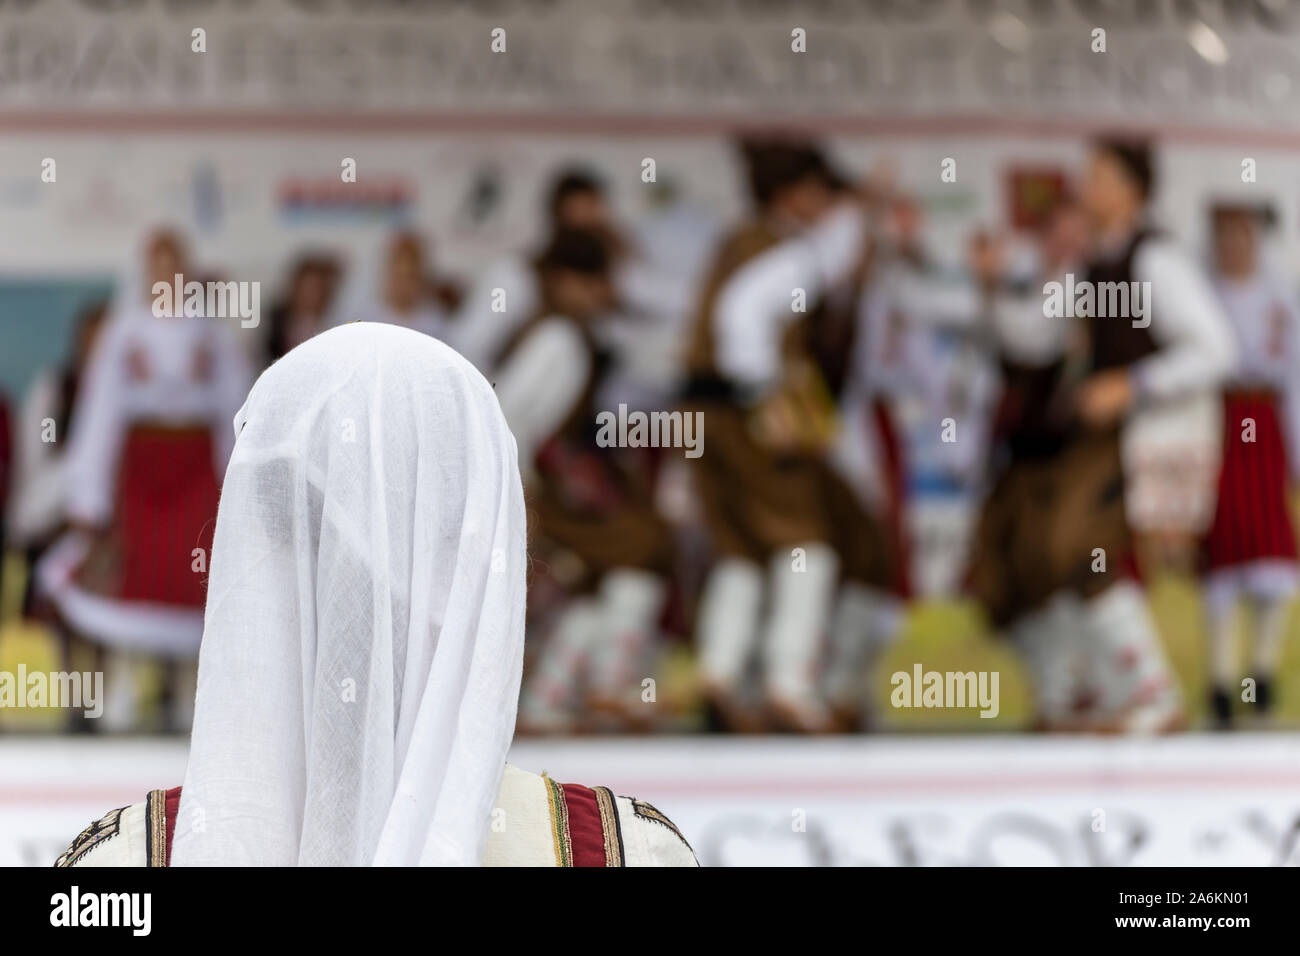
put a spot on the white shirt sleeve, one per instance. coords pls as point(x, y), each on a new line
point(756, 304)
point(837, 241)
point(1197, 348)
point(540, 382)
point(1024, 334)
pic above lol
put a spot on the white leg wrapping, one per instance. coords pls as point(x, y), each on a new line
point(1271, 616)
point(801, 602)
point(1130, 671)
point(728, 622)
point(1223, 642)
point(630, 601)
point(121, 691)
point(864, 622)
point(552, 688)
point(1048, 643)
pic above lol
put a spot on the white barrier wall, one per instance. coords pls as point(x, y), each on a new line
point(1185, 801)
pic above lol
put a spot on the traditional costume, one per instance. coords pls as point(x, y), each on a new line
point(594, 525)
point(1250, 548)
point(766, 509)
point(365, 620)
point(536, 822)
point(147, 447)
point(1053, 554)
point(865, 494)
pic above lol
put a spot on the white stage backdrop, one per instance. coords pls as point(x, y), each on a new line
point(1190, 801)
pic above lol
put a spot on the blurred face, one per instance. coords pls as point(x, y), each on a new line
point(806, 201)
point(164, 261)
point(1066, 236)
point(405, 281)
point(583, 210)
point(580, 295)
point(984, 256)
point(903, 221)
point(1235, 244)
point(1110, 197)
point(311, 293)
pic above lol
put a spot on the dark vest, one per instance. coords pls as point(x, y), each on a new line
point(1115, 342)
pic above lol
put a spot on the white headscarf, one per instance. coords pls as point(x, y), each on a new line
point(363, 640)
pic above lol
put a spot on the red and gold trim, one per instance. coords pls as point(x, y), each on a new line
point(161, 807)
point(155, 817)
point(586, 833)
point(584, 824)
point(559, 822)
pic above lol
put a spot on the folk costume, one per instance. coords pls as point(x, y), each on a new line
point(1053, 557)
point(766, 508)
point(1250, 548)
point(594, 523)
point(148, 443)
point(537, 822)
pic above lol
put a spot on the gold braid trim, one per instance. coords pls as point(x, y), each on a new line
point(156, 813)
point(559, 823)
point(609, 826)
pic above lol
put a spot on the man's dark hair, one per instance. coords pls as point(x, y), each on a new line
point(576, 250)
point(1135, 156)
point(1264, 214)
point(776, 164)
point(572, 182)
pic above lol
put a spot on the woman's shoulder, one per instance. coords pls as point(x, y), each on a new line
point(138, 835)
point(541, 822)
point(537, 821)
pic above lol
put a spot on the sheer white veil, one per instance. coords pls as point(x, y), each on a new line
point(363, 639)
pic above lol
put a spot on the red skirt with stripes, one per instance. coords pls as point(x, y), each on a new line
point(166, 508)
point(1252, 520)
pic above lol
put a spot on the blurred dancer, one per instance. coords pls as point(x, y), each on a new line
point(1056, 526)
point(37, 508)
point(769, 416)
point(149, 441)
point(305, 309)
point(509, 292)
point(1030, 427)
point(1250, 551)
point(593, 513)
point(865, 486)
point(404, 297)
